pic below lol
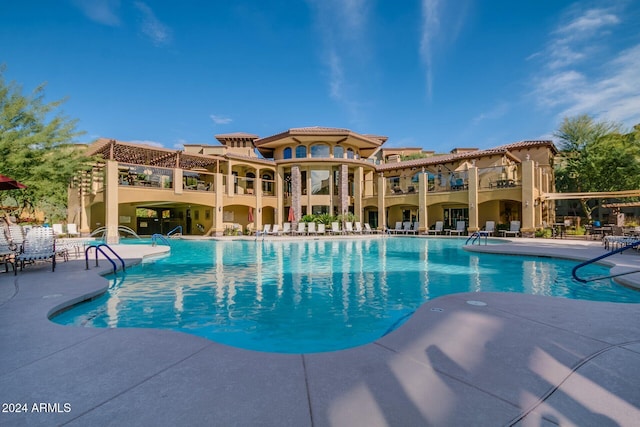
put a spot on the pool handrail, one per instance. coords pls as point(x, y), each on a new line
point(158, 236)
point(175, 231)
point(574, 271)
point(476, 235)
point(98, 248)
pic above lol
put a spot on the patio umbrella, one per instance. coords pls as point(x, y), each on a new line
point(292, 215)
point(250, 214)
point(7, 183)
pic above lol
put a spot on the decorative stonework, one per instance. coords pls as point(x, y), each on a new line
point(296, 190)
point(343, 189)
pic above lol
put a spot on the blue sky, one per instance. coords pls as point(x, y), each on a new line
point(435, 74)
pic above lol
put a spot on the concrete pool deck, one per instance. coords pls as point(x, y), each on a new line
point(517, 360)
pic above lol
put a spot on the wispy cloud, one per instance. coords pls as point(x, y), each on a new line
point(158, 32)
point(582, 74)
point(104, 12)
point(439, 26)
point(220, 120)
point(430, 29)
point(342, 25)
point(494, 113)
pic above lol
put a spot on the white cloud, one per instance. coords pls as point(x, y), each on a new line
point(429, 32)
point(101, 11)
point(342, 26)
point(221, 120)
point(582, 73)
point(494, 113)
point(158, 32)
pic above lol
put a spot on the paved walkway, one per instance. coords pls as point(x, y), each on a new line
point(481, 359)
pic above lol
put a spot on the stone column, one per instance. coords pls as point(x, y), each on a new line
point(111, 201)
point(296, 193)
point(358, 178)
point(177, 181)
point(382, 212)
point(527, 228)
point(473, 199)
point(423, 190)
point(343, 189)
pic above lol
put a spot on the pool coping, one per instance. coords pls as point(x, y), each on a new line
point(517, 359)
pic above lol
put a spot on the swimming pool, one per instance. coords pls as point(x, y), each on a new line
point(316, 295)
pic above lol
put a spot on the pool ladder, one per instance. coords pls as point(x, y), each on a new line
point(476, 237)
point(99, 248)
point(158, 236)
point(574, 272)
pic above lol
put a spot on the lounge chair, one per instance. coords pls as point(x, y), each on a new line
point(514, 229)
point(311, 229)
point(397, 229)
point(335, 228)
point(301, 228)
point(58, 230)
point(265, 230)
point(406, 228)
point(16, 236)
point(38, 245)
point(416, 227)
point(286, 228)
point(321, 229)
point(369, 230)
point(358, 229)
point(460, 228)
point(348, 228)
point(275, 231)
point(6, 251)
point(438, 229)
point(72, 230)
point(489, 228)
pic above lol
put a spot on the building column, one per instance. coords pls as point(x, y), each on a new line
point(218, 228)
point(296, 190)
point(343, 189)
point(111, 201)
point(358, 177)
point(382, 211)
point(279, 178)
point(178, 185)
point(527, 228)
point(257, 213)
point(472, 175)
point(423, 189)
point(231, 182)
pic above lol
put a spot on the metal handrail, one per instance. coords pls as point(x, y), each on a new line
point(574, 271)
point(158, 236)
point(475, 237)
point(178, 227)
point(98, 248)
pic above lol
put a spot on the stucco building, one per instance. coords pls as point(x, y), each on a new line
point(248, 181)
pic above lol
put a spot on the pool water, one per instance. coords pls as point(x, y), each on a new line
point(316, 295)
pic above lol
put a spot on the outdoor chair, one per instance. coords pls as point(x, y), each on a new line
point(6, 251)
point(335, 228)
point(397, 229)
point(406, 227)
point(286, 228)
point(72, 230)
point(489, 228)
point(275, 231)
point(514, 229)
point(301, 228)
point(58, 230)
point(265, 230)
point(321, 229)
point(358, 229)
point(460, 228)
point(437, 229)
point(416, 227)
point(311, 229)
point(368, 229)
point(38, 245)
point(348, 228)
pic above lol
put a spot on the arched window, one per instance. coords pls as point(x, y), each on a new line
point(301, 152)
point(349, 153)
point(286, 154)
point(338, 152)
point(320, 150)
